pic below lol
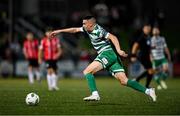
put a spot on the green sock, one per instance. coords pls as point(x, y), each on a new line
point(164, 75)
point(157, 79)
point(135, 85)
point(91, 82)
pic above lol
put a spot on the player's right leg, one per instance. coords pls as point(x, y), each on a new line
point(54, 80)
point(161, 74)
point(30, 74)
point(49, 78)
point(144, 74)
point(94, 67)
point(121, 76)
point(149, 76)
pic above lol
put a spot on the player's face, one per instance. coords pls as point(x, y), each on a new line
point(88, 25)
point(147, 29)
point(155, 31)
point(47, 33)
point(29, 36)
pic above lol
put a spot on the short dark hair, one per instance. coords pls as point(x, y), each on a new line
point(155, 25)
point(147, 24)
point(88, 17)
point(48, 29)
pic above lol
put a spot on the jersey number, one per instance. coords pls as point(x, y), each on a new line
point(105, 61)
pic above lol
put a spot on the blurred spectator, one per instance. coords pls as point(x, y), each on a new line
point(176, 56)
point(6, 67)
point(84, 55)
point(15, 48)
point(176, 62)
point(4, 44)
point(102, 12)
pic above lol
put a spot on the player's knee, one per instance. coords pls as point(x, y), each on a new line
point(30, 68)
point(50, 71)
point(123, 82)
point(122, 78)
point(165, 69)
point(85, 72)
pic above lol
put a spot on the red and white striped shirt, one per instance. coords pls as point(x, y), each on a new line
point(30, 48)
point(50, 48)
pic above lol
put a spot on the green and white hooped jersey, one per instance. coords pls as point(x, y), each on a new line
point(158, 44)
point(98, 38)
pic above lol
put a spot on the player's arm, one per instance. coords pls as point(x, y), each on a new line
point(59, 51)
point(67, 30)
point(24, 51)
point(166, 50)
point(134, 50)
point(40, 53)
point(115, 42)
point(168, 53)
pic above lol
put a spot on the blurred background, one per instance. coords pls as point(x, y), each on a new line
point(124, 18)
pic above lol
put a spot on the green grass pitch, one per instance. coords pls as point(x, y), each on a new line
point(115, 99)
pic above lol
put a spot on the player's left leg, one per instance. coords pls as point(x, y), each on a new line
point(94, 67)
point(51, 74)
point(37, 73)
point(121, 76)
point(54, 80)
point(164, 75)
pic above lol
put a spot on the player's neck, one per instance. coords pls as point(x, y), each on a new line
point(93, 27)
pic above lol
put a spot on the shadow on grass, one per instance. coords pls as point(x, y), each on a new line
point(95, 103)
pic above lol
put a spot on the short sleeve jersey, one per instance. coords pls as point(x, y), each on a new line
point(98, 38)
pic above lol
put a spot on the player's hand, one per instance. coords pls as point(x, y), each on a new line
point(40, 61)
point(57, 56)
point(26, 56)
point(133, 59)
point(169, 59)
point(53, 34)
point(122, 53)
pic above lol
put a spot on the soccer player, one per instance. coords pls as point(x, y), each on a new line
point(143, 46)
point(159, 60)
point(30, 50)
point(51, 49)
point(108, 58)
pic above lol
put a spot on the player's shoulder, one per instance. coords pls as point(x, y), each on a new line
point(43, 40)
point(99, 27)
point(162, 37)
point(25, 40)
point(140, 38)
point(55, 39)
point(153, 38)
point(36, 40)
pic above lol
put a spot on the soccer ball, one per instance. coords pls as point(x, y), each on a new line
point(32, 99)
